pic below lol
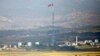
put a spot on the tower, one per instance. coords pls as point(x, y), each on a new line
point(76, 40)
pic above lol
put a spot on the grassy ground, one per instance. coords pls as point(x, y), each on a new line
point(49, 53)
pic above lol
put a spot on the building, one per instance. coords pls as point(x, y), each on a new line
point(29, 44)
point(37, 43)
point(96, 41)
point(19, 44)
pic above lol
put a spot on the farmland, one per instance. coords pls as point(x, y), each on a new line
point(49, 53)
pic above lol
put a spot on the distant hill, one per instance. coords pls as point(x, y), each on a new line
point(89, 29)
point(44, 34)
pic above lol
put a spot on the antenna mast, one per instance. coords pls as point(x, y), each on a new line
point(53, 30)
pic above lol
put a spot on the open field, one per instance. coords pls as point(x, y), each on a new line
point(53, 53)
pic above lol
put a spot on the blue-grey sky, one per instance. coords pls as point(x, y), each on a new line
point(16, 14)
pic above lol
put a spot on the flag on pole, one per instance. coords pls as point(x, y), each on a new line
point(50, 5)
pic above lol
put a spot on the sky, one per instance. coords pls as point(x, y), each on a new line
point(31, 14)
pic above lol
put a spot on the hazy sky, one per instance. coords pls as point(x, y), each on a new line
point(16, 14)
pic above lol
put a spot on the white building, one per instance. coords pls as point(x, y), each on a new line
point(96, 41)
point(19, 44)
point(90, 41)
point(29, 44)
point(92, 44)
point(81, 42)
point(86, 41)
point(74, 44)
point(5, 46)
point(37, 43)
point(15, 46)
point(68, 43)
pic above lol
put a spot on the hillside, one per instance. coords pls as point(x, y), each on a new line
point(44, 34)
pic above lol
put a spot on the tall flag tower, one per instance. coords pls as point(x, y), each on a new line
point(52, 42)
